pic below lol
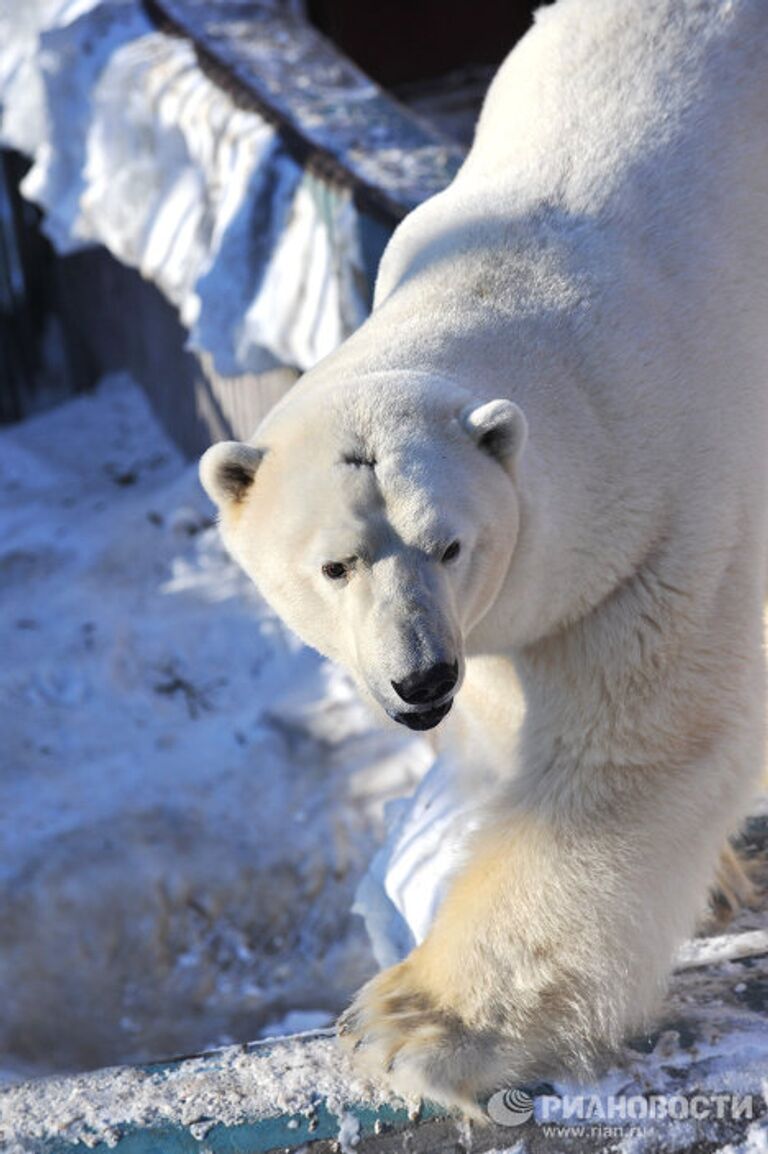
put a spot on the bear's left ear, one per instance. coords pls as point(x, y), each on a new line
point(498, 428)
point(227, 471)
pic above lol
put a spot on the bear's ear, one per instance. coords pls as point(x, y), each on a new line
point(498, 428)
point(227, 471)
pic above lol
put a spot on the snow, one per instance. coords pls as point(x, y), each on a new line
point(755, 1142)
point(135, 148)
point(722, 948)
point(296, 1022)
point(349, 1133)
point(188, 797)
point(229, 1087)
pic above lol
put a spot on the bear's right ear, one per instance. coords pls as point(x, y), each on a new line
point(227, 471)
point(498, 428)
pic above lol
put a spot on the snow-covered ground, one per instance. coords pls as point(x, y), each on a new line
point(188, 797)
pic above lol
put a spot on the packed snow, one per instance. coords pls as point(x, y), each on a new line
point(188, 797)
point(199, 194)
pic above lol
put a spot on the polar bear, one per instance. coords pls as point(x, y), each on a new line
point(542, 460)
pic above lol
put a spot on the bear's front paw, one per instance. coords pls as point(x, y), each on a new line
point(397, 1029)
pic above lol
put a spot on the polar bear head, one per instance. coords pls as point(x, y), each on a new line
point(379, 522)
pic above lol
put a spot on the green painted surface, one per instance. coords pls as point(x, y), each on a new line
point(258, 1136)
point(288, 1131)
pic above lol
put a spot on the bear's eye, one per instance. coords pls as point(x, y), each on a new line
point(334, 570)
point(452, 551)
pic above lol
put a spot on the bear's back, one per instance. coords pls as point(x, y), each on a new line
point(645, 119)
point(600, 95)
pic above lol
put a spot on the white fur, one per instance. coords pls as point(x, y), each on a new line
point(600, 261)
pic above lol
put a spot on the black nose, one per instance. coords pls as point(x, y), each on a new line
point(428, 685)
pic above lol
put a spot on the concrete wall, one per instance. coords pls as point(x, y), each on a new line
point(117, 320)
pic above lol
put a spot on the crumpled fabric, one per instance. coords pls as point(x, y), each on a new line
point(408, 878)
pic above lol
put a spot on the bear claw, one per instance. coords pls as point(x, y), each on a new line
point(396, 1030)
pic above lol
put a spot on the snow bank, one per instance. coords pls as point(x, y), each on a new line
point(187, 796)
point(135, 148)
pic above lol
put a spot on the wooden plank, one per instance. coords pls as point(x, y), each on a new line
point(333, 118)
point(118, 320)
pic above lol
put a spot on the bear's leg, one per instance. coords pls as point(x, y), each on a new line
point(555, 938)
point(506, 985)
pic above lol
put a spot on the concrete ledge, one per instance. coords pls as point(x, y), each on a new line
point(299, 1094)
point(273, 1095)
